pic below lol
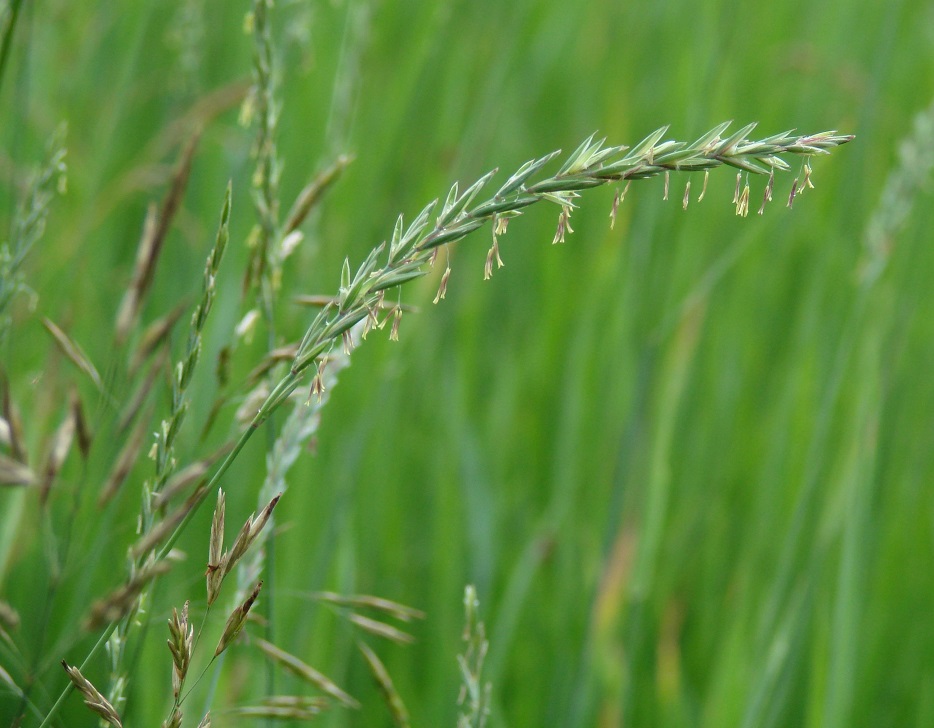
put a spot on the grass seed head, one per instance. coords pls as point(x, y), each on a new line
point(92, 697)
point(236, 620)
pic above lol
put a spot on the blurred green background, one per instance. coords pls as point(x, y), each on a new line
point(687, 462)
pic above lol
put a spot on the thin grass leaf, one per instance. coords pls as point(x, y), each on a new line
point(398, 278)
point(313, 192)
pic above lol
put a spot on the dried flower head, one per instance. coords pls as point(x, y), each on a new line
point(181, 645)
point(236, 620)
point(92, 697)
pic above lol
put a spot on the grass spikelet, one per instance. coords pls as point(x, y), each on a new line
point(59, 447)
point(183, 479)
point(9, 618)
point(123, 600)
point(150, 245)
point(393, 700)
point(155, 335)
point(166, 525)
point(181, 645)
point(312, 193)
point(215, 572)
point(140, 395)
point(248, 534)
point(13, 429)
point(236, 620)
point(474, 693)
point(82, 429)
point(263, 268)
point(184, 370)
point(305, 672)
point(124, 463)
point(174, 720)
point(380, 629)
point(92, 697)
point(13, 472)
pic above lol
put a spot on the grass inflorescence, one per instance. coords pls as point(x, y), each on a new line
point(360, 306)
point(135, 442)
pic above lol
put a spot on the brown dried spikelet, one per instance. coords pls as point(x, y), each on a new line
point(236, 620)
point(92, 697)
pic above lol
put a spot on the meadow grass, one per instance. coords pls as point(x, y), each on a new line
point(682, 460)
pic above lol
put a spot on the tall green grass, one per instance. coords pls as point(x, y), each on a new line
point(685, 462)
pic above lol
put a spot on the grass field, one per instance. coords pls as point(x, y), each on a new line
point(687, 462)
